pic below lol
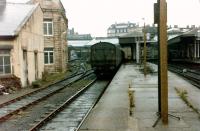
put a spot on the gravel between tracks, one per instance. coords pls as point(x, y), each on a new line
point(5, 98)
point(23, 120)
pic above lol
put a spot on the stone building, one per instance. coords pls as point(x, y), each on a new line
point(21, 42)
point(55, 26)
point(119, 29)
point(72, 35)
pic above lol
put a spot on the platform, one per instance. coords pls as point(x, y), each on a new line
point(112, 111)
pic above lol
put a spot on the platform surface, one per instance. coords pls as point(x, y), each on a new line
point(112, 111)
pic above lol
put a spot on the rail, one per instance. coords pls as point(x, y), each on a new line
point(9, 108)
point(88, 92)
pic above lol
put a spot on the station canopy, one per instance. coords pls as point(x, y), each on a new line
point(82, 43)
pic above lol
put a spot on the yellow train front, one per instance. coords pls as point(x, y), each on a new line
point(106, 58)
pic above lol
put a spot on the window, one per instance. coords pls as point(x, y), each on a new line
point(198, 33)
point(5, 67)
point(48, 56)
point(48, 27)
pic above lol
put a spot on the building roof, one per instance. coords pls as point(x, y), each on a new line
point(18, 1)
point(79, 37)
point(13, 16)
point(122, 25)
point(82, 43)
point(78, 43)
point(189, 34)
point(113, 40)
point(192, 32)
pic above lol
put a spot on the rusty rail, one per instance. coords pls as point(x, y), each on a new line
point(7, 115)
point(60, 108)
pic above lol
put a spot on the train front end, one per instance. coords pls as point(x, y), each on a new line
point(103, 58)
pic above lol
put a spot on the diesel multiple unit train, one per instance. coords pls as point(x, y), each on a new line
point(106, 58)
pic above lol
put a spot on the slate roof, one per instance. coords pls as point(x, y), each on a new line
point(13, 16)
point(18, 1)
point(191, 33)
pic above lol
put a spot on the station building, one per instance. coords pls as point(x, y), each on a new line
point(21, 41)
point(55, 26)
point(32, 39)
point(119, 29)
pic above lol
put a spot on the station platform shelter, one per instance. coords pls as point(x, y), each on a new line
point(185, 47)
point(133, 45)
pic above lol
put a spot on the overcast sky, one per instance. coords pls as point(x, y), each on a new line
point(95, 16)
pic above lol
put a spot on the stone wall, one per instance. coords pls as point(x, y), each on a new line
point(58, 41)
point(27, 56)
point(29, 45)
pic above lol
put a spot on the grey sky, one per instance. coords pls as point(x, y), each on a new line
point(95, 16)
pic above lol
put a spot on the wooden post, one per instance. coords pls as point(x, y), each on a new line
point(163, 59)
point(145, 52)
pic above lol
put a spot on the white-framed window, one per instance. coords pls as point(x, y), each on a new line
point(48, 55)
point(5, 66)
point(48, 27)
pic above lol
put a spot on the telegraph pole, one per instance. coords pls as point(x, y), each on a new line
point(160, 18)
point(162, 30)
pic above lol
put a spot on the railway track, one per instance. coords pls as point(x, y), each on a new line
point(70, 115)
point(187, 71)
point(190, 74)
point(13, 106)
